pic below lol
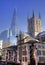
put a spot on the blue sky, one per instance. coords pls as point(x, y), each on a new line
point(24, 8)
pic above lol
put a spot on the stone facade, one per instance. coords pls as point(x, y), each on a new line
point(30, 48)
point(23, 49)
point(34, 25)
point(9, 54)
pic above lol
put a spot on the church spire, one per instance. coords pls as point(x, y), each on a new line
point(39, 15)
point(33, 14)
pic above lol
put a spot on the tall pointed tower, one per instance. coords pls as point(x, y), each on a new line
point(34, 25)
point(14, 24)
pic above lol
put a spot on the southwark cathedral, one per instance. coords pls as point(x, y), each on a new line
point(31, 45)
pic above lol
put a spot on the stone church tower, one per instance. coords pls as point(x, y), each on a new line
point(34, 25)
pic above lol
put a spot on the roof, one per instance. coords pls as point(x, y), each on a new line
point(13, 47)
point(24, 35)
point(28, 39)
point(41, 34)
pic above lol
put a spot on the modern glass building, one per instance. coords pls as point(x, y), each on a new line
point(4, 36)
point(9, 35)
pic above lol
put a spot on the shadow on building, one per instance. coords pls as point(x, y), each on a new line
point(13, 64)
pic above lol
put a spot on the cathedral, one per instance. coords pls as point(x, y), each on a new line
point(34, 25)
point(31, 45)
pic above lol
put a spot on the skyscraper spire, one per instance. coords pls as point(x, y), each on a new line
point(33, 14)
point(13, 24)
point(39, 15)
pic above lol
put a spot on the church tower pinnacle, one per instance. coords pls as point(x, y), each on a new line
point(34, 25)
point(39, 16)
point(33, 14)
